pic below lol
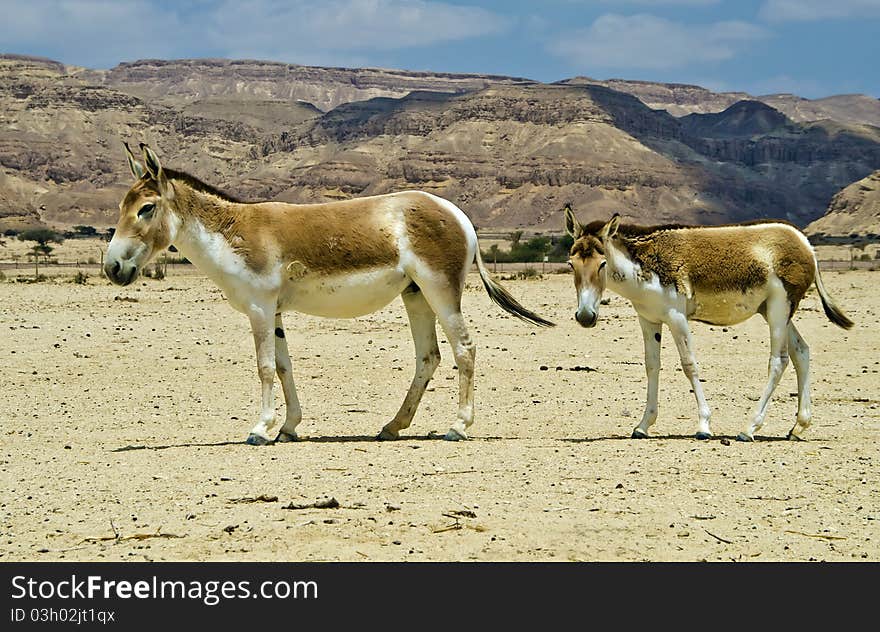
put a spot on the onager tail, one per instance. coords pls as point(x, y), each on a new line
point(832, 311)
point(505, 300)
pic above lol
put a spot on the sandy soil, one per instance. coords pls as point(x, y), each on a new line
point(124, 412)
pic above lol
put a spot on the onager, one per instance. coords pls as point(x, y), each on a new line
point(720, 275)
point(337, 260)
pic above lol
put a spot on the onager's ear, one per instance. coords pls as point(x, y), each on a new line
point(609, 230)
point(137, 169)
point(572, 225)
point(154, 167)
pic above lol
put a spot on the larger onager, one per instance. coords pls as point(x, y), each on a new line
point(338, 260)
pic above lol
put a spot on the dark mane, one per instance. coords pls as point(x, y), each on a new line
point(635, 230)
point(198, 185)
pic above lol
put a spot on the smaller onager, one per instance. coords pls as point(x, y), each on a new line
point(720, 275)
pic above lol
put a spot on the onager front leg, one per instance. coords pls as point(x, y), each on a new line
point(681, 332)
point(651, 334)
point(261, 327)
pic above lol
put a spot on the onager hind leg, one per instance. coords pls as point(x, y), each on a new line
point(283, 368)
point(678, 326)
point(776, 313)
point(800, 357)
point(465, 355)
point(445, 301)
point(651, 334)
point(423, 324)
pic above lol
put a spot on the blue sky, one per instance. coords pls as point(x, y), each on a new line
point(813, 48)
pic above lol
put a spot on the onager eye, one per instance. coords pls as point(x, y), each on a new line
point(570, 264)
point(602, 265)
point(146, 210)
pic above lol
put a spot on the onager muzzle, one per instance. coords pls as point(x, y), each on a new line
point(124, 260)
point(586, 317)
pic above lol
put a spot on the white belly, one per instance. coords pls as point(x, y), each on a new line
point(343, 295)
point(726, 308)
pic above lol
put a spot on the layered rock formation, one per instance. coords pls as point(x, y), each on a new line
point(853, 212)
point(508, 151)
point(681, 99)
point(187, 80)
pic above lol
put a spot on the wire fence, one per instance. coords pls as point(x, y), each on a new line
point(25, 269)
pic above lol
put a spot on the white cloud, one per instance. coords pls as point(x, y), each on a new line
point(96, 32)
point(659, 3)
point(811, 10)
point(652, 3)
point(347, 24)
point(650, 42)
point(91, 31)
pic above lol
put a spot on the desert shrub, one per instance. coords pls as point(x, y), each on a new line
point(39, 278)
point(528, 273)
point(2, 275)
point(80, 278)
point(156, 271)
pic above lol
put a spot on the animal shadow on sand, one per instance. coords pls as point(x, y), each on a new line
point(321, 439)
point(688, 437)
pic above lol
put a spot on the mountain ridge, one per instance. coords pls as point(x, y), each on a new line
point(510, 151)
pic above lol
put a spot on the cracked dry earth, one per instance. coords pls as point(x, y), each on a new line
point(124, 413)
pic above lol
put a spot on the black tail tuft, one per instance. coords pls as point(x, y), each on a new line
point(831, 310)
point(835, 315)
point(505, 301)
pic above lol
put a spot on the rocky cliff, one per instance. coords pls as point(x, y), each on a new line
point(854, 211)
point(508, 151)
point(681, 99)
point(194, 79)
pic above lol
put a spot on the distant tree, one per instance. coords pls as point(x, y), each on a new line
point(85, 231)
point(515, 236)
point(42, 237)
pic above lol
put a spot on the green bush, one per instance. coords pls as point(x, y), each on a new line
point(532, 251)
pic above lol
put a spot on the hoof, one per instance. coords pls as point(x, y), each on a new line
point(793, 437)
point(744, 437)
point(286, 437)
point(387, 435)
point(639, 434)
point(455, 435)
point(703, 436)
point(255, 439)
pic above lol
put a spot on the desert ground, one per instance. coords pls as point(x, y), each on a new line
point(124, 413)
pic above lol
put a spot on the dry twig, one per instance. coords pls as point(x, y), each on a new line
point(817, 535)
point(717, 537)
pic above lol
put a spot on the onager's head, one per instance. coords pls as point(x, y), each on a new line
point(587, 260)
point(146, 226)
